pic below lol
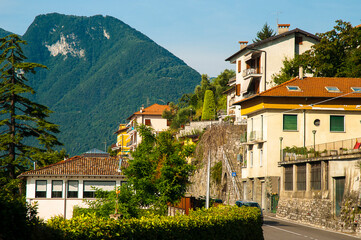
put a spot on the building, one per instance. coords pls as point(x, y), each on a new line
point(123, 139)
point(150, 116)
point(300, 113)
point(256, 63)
point(59, 187)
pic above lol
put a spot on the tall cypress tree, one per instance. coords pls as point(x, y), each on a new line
point(209, 106)
point(20, 118)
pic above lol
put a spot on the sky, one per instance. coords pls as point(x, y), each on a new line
point(203, 33)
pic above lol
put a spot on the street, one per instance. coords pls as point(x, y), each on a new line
point(276, 229)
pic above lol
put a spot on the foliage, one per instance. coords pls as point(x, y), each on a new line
point(214, 223)
point(336, 55)
point(92, 94)
point(158, 171)
point(296, 150)
point(209, 108)
point(216, 173)
point(21, 118)
point(111, 152)
point(266, 32)
point(49, 157)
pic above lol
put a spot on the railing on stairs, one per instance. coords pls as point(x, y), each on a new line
point(231, 169)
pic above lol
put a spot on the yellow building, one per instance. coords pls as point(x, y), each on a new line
point(122, 140)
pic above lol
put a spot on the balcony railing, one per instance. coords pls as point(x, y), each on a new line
point(251, 71)
point(254, 136)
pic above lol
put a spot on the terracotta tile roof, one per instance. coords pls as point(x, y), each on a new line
point(154, 109)
point(80, 166)
point(313, 87)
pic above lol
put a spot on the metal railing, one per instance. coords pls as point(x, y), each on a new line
point(251, 71)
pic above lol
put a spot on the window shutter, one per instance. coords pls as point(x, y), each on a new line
point(147, 122)
point(239, 66)
point(290, 122)
point(238, 89)
point(337, 123)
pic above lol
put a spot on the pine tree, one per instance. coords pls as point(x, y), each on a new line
point(209, 106)
point(21, 120)
point(266, 32)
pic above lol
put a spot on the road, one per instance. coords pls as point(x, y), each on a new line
point(276, 229)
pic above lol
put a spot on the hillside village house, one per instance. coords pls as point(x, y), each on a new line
point(257, 62)
point(150, 116)
point(301, 113)
point(59, 187)
point(122, 141)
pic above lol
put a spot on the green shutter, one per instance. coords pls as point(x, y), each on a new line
point(337, 123)
point(290, 122)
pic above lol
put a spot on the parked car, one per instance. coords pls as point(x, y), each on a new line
point(249, 204)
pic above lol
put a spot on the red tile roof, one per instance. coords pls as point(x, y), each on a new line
point(80, 166)
point(154, 109)
point(313, 87)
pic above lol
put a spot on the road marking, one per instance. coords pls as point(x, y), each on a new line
point(289, 231)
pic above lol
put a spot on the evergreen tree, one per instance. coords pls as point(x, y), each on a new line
point(209, 106)
point(266, 32)
point(21, 120)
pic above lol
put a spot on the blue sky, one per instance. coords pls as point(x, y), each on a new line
point(201, 32)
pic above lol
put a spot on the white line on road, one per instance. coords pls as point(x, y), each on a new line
point(288, 231)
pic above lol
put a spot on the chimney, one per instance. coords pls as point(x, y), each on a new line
point(283, 28)
point(141, 109)
point(300, 72)
point(243, 44)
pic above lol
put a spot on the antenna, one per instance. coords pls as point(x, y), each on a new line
point(105, 145)
point(277, 13)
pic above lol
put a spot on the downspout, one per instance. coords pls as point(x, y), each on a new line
point(265, 70)
point(304, 128)
point(65, 191)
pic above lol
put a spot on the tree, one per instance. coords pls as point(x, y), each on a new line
point(158, 172)
point(266, 32)
point(209, 106)
point(21, 120)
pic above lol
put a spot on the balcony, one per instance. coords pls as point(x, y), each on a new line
point(252, 72)
point(254, 137)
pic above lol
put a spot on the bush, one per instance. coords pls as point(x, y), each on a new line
point(214, 223)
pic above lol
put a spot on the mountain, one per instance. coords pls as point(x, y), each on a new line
point(100, 71)
point(4, 33)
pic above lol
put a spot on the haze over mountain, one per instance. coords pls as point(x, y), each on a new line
point(100, 71)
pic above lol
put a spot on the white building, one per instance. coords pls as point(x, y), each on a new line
point(256, 63)
point(150, 116)
point(59, 187)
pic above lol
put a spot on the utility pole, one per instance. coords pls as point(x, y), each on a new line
point(208, 178)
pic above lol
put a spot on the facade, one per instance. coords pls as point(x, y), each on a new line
point(59, 187)
point(256, 63)
point(300, 113)
point(122, 140)
point(150, 116)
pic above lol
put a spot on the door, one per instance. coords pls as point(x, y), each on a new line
point(339, 190)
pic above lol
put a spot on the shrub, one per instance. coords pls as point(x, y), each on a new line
point(214, 223)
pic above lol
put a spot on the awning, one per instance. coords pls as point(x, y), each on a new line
point(245, 84)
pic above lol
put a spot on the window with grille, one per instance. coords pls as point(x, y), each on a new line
point(337, 123)
point(301, 177)
point(289, 178)
point(91, 186)
point(57, 189)
point(73, 186)
point(316, 176)
point(289, 122)
point(147, 122)
point(40, 188)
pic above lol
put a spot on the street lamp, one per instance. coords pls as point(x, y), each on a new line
point(314, 140)
point(281, 150)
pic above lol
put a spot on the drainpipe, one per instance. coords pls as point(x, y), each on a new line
point(304, 128)
point(65, 192)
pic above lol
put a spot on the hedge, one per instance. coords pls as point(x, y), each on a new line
point(215, 223)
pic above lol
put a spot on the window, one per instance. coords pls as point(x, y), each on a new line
point(57, 189)
point(299, 40)
point(239, 66)
point(356, 89)
point(289, 178)
point(40, 188)
point(337, 123)
point(251, 158)
point(91, 186)
point(293, 88)
point(73, 186)
point(301, 177)
point(289, 122)
point(316, 176)
point(238, 89)
point(147, 122)
point(332, 89)
point(260, 157)
point(168, 122)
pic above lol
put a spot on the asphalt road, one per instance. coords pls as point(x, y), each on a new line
point(276, 229)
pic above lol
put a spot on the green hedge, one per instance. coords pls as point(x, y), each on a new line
point(214, 223)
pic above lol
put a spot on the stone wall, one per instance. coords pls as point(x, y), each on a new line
point(230, 144)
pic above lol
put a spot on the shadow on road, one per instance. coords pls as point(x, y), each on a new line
point(273, 223)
